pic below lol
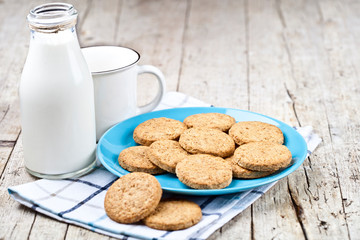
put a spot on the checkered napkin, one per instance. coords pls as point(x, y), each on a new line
point(80, 201)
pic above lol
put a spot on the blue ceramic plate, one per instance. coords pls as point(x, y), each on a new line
point(120, 137)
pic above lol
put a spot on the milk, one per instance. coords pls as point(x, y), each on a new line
point(57, 106)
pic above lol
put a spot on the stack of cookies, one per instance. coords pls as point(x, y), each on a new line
point(207, 150)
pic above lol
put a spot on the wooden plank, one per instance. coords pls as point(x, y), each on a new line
point(349, 178)
point(313, 75)
point(154, 29)
point(101, 23)
point(75, 232)
point(214, 63)
point(268, 63)
point(16, 220)
point(342, 51)
point(6, 148)
point(14, 37)
point(45, 228)
point(10, 121)
point(292, 72)
point(274, 215)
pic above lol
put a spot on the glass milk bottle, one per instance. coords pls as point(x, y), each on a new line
point(56, 97)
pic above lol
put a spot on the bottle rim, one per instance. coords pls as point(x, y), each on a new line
point(52, 17)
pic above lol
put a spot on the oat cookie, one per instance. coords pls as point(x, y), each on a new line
point(166, 154)
point(203, 171)
point(240, 172)
point(132, 197)
point(253, 131)
point(135, 159)
point(208, 141)
point(218, 121)
point(263, 156)
point(173, 215)
point(158, 129)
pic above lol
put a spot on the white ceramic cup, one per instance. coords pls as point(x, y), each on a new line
point(114, 71)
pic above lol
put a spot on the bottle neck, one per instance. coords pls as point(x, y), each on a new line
point(52, 18)
point(56, 38)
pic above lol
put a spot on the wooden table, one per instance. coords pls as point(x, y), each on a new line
point(297, 61)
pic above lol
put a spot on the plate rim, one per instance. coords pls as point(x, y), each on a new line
point(202, 192)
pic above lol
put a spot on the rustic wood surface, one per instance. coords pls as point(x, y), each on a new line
point(297, 61)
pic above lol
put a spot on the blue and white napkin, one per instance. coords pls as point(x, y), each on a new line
point(80, 201)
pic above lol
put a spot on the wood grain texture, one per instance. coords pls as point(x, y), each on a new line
point(343, 115)
point(313, 76)
point(214, 61)
point(75, 232)
point(155, 29)
point(298, 61)
point(99, 23)
point(16, 220)
point(6, 147)
point(44, 227)
point(14, 36)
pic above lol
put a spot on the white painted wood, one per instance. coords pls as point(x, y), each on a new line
point(297, 61)
point(6, 148)
point(75, 232)
point(45, 228)
point(214, 55)
point(16, 220)
point(306, 39)
point(155, 29)
point(342, 103)
point(14, 37)
point(100, 24)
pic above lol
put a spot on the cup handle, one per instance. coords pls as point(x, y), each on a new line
point(162, 86)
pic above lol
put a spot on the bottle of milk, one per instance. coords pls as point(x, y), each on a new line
point(56, 97)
